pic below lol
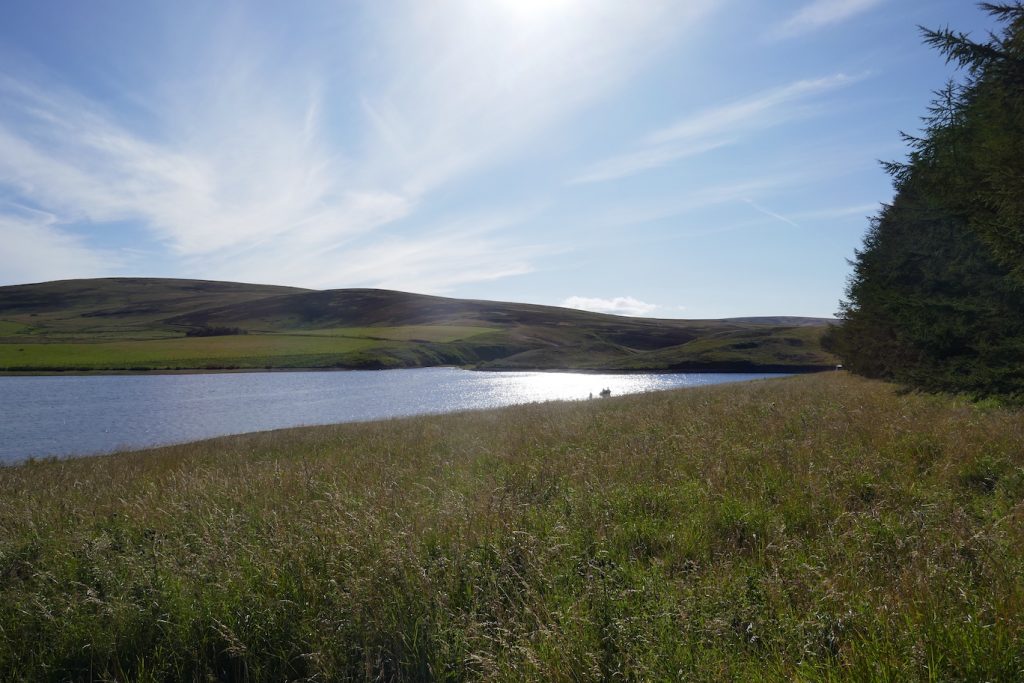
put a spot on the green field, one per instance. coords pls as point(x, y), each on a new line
point(411, 333)
point(143, 324)
point(250, 351)
point(319, 348)
point(10, 329)
point(813, 528)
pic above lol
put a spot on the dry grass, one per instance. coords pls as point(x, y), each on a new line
point(815, 528)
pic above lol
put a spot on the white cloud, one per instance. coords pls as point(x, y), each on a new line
point(642, 160)
point(233, 185)
point(764, 109)
point(772, 214)
point(837, 212)
point(620, 305)
point(820, 14)
point(471, 81)
point(242, 170)
point(435, 264)
point(622, 214)
point(35, 251)
point(434, 260)
point(716, 127)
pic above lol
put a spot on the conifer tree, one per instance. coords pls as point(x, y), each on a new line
point(936, 298)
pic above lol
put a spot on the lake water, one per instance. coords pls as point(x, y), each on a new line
point(81, 415)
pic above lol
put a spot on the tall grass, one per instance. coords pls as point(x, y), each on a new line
point(815, 528)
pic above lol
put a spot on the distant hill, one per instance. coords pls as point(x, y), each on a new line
point(166, 324)
point(787, 320)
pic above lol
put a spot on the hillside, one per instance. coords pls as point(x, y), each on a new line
point(161, 324)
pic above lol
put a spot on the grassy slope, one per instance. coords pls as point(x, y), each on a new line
point(118, 307)
point(819, 528)
point(141, 324)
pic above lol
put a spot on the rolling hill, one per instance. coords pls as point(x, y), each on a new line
point(139, 324)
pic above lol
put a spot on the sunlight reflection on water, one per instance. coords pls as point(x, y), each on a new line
point(60, 416)
point(527, 387)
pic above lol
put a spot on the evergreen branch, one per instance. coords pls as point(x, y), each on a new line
point(959, 48)
point(1004, 11)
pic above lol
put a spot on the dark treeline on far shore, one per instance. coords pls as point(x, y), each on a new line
point(212, 331)
point(936, 299)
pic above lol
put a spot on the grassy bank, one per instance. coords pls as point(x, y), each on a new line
point(819, 527)
point(315, 349)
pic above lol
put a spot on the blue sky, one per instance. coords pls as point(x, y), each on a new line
point(694, 159)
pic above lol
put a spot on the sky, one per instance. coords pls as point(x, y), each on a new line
point(675, 159)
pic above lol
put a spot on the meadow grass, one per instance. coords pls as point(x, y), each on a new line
point(813, 528)
point(10, 328)
point(348, 347)
point(428, 333)
point(243, 351)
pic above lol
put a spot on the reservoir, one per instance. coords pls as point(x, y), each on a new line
point(84, 415)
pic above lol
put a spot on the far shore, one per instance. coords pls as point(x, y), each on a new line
point(780, 369)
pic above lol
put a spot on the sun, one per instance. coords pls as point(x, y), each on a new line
point(531, 11)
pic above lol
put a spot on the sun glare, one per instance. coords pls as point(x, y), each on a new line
point(535, 11)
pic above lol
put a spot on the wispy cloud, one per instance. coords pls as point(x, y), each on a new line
point(771, 214)
point(801, 219)
point(620, 305)
point(632, 214)
point(819, 14)
point(764, 109)
point(470, 81)
point(717, 127)
point(642, 160)
point(233, 185)
point(35, 251)
point(434, 259)
point(243, 171)
point(836, 212)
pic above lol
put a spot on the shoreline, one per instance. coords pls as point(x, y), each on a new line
point(696, 370)
point(23, 450)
